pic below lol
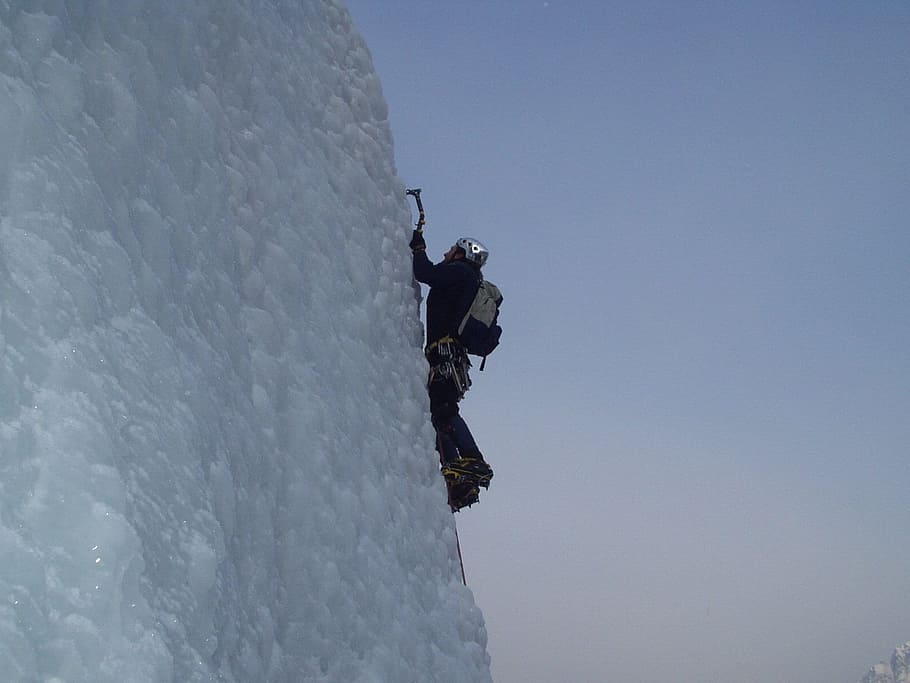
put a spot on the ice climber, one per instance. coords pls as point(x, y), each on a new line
point(453, 285)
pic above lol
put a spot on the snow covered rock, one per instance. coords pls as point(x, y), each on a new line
point(897, 672)
point(215, 456)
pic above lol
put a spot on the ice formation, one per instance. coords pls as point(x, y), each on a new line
point(215, 456)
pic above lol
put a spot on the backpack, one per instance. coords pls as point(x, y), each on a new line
point(479, 332)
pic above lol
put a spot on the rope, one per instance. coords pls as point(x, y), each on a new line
point(464, 578)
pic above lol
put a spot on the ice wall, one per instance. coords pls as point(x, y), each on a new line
point(215, 458)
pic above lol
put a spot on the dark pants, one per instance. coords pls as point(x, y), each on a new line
point(453, 438)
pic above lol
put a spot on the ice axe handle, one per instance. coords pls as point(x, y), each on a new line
point(415, 193)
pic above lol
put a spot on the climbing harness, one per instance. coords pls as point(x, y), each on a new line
point(449, 360)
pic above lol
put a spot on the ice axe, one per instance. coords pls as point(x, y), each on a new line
point(415, 193)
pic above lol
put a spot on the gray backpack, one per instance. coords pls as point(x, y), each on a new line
point(479, 330)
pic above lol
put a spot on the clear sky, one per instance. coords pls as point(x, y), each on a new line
point(699, 417)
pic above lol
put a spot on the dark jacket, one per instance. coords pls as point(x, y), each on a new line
point(453, 287)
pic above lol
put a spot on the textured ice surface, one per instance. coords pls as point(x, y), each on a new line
point(215, 458)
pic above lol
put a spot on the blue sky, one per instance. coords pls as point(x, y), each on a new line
point(698, 214)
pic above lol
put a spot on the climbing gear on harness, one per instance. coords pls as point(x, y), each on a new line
point(448, 360)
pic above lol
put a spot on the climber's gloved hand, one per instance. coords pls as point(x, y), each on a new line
point(417, 242)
